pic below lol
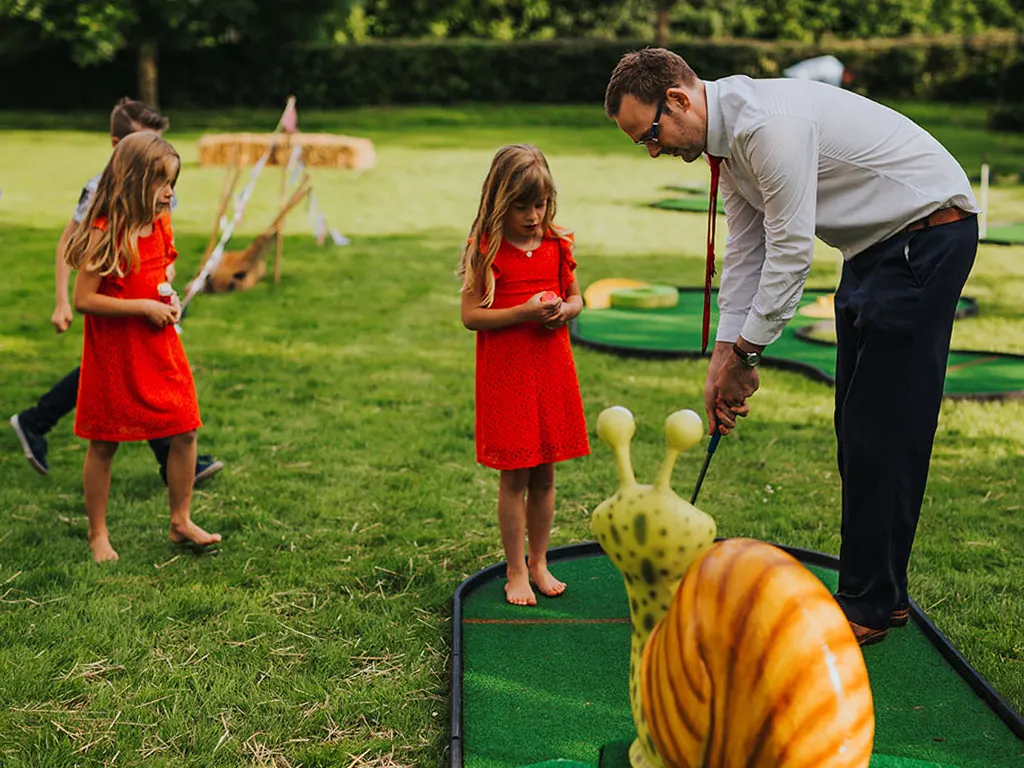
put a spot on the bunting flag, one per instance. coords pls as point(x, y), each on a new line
point(241, 201)
point(318, 223)
point(295, 164)
point(338, 238)
point(317, 220)
point(290, 118)
point(314, 209)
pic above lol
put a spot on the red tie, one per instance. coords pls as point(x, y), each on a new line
point(716, 169)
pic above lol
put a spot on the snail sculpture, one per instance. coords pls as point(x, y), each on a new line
point(739, 655)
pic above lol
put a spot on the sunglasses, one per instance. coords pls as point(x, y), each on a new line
point(651, 137)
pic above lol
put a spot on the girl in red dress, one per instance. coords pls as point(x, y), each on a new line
point(519, 290)
point(135, 383)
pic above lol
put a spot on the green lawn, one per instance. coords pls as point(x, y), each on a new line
point(318, 632)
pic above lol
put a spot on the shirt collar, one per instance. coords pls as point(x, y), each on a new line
point(717, 139)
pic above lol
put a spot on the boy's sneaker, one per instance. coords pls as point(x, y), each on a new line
point(34, 446)
point(206, 467)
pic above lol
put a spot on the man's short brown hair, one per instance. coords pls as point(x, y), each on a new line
point(646, 75)
point(129, 116)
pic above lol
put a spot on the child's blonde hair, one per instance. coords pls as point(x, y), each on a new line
point(126, 196)
point(519, 174)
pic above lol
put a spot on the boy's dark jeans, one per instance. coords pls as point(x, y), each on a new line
point(59, 402)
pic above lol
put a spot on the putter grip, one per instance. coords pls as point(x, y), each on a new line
point(715, 438)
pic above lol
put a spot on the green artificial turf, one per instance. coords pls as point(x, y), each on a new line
point(550, 684)
point(677, 330)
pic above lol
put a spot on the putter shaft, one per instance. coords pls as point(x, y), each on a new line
point(712, 446)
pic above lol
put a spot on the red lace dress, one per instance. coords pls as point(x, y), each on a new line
point(528, 405)
point(135, 382)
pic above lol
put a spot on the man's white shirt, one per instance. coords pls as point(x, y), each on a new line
point(805, 159)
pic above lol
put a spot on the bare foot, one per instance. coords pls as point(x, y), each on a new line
point(548, 585)
point(517, 590)
point(190, 533)
point(101, 549)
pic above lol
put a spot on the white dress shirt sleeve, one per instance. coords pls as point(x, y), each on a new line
point(783, 155)
point(741, 265)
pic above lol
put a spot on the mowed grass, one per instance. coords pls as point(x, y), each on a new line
point(318, 632)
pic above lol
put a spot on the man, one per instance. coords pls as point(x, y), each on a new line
point(32, 424)
point(802, 159)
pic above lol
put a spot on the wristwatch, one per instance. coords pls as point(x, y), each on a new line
point(749, 359)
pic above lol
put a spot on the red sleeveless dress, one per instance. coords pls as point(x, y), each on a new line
point(136, 383)
point(528, 405)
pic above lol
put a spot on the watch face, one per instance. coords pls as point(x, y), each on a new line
point(749, 359)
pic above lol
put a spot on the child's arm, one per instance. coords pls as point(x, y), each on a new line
point(62, 315)
point(89, 301)
point(477, 318)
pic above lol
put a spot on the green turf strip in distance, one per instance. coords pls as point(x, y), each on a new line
point(1010, 234)
point(556, 689)
point(677, 331)
point(690, 204)
point(694, 188)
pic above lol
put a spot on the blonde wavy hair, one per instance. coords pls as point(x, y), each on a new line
point(519, 174)
point(126, 196)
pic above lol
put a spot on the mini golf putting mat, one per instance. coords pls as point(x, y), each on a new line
point(692, 204)
point(676, 332)
point(547, 686)
point(1010, 234)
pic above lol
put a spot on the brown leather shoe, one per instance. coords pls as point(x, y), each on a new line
point(899, 618)
point(866, 635)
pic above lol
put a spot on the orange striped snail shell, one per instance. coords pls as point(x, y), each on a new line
point(755, 665)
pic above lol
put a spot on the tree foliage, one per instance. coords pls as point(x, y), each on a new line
point(96, 30)
point(801, 20)
point(498, 19)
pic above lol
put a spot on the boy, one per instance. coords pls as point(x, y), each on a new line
point(32, 424)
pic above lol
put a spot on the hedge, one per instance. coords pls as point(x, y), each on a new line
point(1007, 117)
point(984, 67)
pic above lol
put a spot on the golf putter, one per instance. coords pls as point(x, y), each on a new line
point(712, 446)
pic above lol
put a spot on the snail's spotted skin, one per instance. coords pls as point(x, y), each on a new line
point(652, 536)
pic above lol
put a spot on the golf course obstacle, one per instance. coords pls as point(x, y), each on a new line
point(723, 670)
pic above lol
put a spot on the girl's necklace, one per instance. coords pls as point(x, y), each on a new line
point(529, 251)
